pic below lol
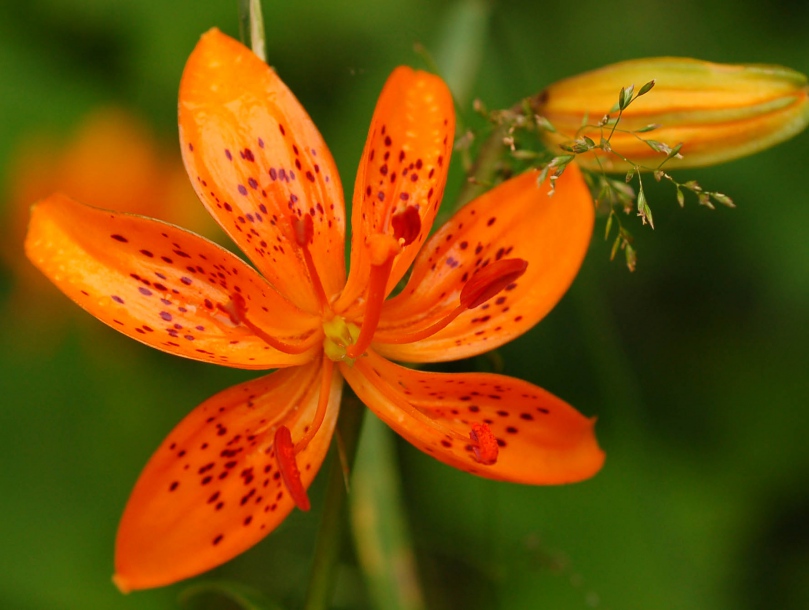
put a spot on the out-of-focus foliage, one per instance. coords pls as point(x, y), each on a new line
point(695, 364)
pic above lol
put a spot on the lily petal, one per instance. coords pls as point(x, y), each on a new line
point(542, 439)
point(404, 164)
point(517, 219)
point(213, 488)
point(166, 287)
point(257, 162)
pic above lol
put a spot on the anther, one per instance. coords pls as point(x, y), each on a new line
point(304, 230)
point(406, 225)
point(291, 475)
point(484, 444)
point(490, 280)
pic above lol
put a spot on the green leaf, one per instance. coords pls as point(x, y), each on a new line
point(631, 257)
point(705, 199)
point(659, 147)
point(675, 151)
point(625, 97)
point(646, 215)
point(585, 119)
point(649, 127)
point(544, 124)
point(543, 174)
point(723, 199)
point(615, 245)
point(646, 88)
point(641, 199)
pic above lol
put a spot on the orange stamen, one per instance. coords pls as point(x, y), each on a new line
point(399, 338)
point(481, 287)
point(304, 232)
point(322, 405)
point(490, 280)
point(237, 310)
point(484, 444)
point(383, 249)
point(291, 475)
point(401, 403)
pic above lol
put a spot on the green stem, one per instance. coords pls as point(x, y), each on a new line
point(460, 51)
point(251, 27)
point(380, 525)
point(334, 522)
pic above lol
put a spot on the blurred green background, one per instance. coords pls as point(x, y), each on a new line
point(696, 364)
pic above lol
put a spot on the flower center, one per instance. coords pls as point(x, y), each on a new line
point(339, 336)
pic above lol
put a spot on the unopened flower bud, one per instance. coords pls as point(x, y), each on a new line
point(717, 112)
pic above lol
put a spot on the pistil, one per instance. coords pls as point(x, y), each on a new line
point(322, 405)
point(383, 249)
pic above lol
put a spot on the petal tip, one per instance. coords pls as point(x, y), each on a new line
point(121, 583)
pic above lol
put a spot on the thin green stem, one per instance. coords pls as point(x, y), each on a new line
point(334, 522)
point(251, 27)
point(460, 51)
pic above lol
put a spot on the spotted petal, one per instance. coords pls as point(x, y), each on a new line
point(542, 440)
point(166, 287)
point(517, 219)
point(213, 488)
point(404, 163)
point(257, 161)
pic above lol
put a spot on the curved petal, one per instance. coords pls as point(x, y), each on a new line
point(213, 488)
point(517, 219)
point(257, 161)
point(166, 287)
point(404, 163)
point(542, 439)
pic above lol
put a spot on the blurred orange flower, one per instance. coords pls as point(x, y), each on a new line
point(114, 159)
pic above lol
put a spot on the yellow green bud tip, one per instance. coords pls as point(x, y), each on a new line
point(718, 112)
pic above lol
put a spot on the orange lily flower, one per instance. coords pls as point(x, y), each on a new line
point(231, 471)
